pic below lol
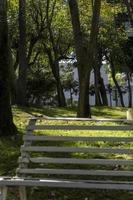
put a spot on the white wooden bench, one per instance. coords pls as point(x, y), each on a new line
point(48, 160)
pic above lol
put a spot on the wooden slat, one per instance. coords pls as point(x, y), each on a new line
point(83, 127)
point(76, 172)
point(83, 119)
point(76, 149)
point(68, 138)
point(69, 184)
point(79, 161)
point(31, 123)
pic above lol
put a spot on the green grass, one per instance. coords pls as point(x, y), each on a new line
point(10, 146)
point(112, 112)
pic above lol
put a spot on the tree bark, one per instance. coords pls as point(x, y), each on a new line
point(116, 83)
point(129, 91)
point(82, 61)
point(96, 87)
point(7, 126)
point(100, 90)
point(129, 5)
point(12, 77)
point(103, 92)
point(60, 93)
point(53, 56)
point(54, 64)
point(22, 78)
point(85, 53)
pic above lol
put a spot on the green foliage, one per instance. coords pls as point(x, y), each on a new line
point(112, 38)
point(42, 15)
point(67, 78)
point(13, 23)
point(40, 84)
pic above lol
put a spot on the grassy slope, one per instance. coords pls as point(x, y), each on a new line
point(9, 152)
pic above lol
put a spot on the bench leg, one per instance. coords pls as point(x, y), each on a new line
point(22, 193)
point(3, 193)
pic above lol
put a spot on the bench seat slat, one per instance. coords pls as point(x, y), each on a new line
point(85, 119)
point(77, 161)
point(83, 127)
point(69, 184)
point(68, 138)
point(76, 172)
point(76, 149)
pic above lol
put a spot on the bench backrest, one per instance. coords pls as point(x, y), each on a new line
point(89, 155)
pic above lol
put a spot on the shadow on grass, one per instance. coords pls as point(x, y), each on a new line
point(101, 111)
point(9, 153)
point(49, 111)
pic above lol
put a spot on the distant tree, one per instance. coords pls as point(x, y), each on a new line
point(100, 89)
point(48, 25)
point(129, 5)
point(22, 59)
point(7, 126)
point(58, 42)
point(40, 84)
point(115, 56)
point(69, 84)
point(112, 38)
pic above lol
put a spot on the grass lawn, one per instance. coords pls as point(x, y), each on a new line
point(9, 152)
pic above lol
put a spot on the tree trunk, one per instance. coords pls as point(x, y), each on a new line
point(22, 78)
point(53, 55)
point(7, 126)
point(82, 62)
point(129, 91)
point(60, 95)
point(60, 92)
point(100, 91)
point(96, 87)
point(129, 5)
point(85, 53)
point(83, 102)
point(54, 64)
point(116, 83)
point(103, 92)
point(12, 78)
point(71, 97)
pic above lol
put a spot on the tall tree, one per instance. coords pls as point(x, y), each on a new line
point(22, 77)
point(49, 31)
point(85, 52)
point(54, 53)
point(111, 60)
point(129, 5)
point(100, 90)
point(7, 126)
